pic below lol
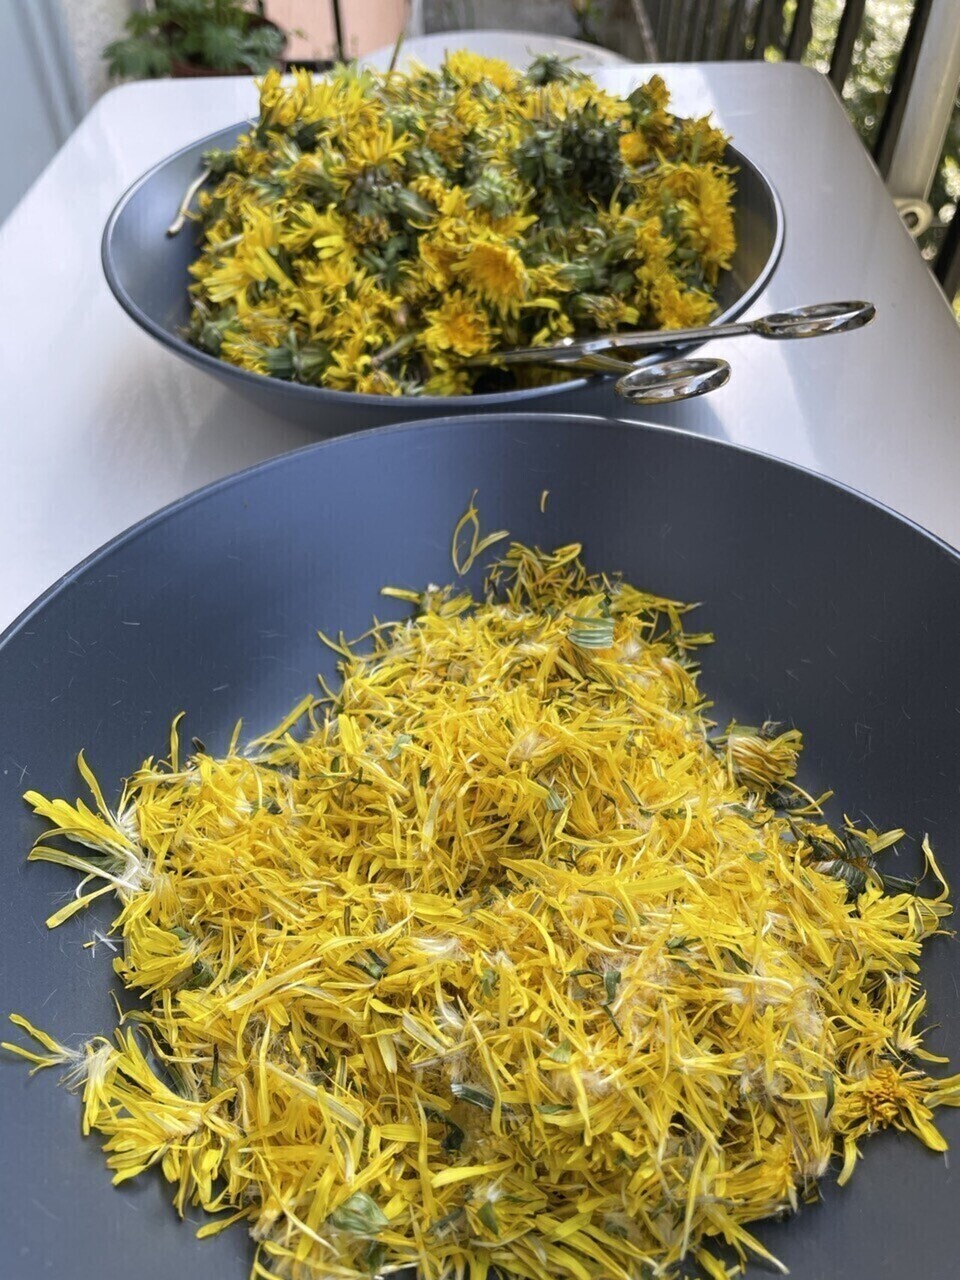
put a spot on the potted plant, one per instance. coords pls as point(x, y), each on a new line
point(196, 38)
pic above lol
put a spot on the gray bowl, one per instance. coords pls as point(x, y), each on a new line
point(826, 607)
point(147, 271)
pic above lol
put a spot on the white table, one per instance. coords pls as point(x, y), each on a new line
point(101, 426)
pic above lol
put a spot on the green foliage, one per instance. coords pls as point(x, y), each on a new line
point(875, 58)
point(138, 58)
point(219, 35)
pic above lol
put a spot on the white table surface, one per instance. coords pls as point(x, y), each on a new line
point(102, 426)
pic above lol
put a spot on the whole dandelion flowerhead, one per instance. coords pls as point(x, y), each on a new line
point(494, 270)
point(634, 148)
point(459, 325)
point(471, 69)
point(708, 219)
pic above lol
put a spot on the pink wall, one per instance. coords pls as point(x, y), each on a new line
point(368, 24)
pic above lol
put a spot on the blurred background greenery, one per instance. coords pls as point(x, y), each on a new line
point(868, 84)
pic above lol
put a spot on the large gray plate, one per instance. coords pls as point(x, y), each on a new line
point(147, 271)
point(828, 610)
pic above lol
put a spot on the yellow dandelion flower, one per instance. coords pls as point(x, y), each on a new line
point(277, 107)
point(653, 98)
point(700, 141)
point(378, 383)
point(460, 326)
point(332, 276)
point(164, 958)
point(471, 114)
point(466, 68)
point(311, 304)
point(546, 280)
point(656, 92)
point(265, 325)
point(607, 312)
point(363, 317)
point(581, 94)
point(680, 181)
point(447, 380)
point(676, 306)
point(245, 353)
point(341, 101)
point(351, 360)
point(254, 260)
point(899, 1098)
point(431, 188)
point(545, 102)
point(326, 231)
point(651, 245)
point(219, 235)
point(556, 325)
point(495, 270)
point(372, 147)
point(373, 229)
point(416, 283)
point(708, 219)
point(634, 148)
point(439, 256)
point(452, 208)
point(512, 225)
point(445, 136)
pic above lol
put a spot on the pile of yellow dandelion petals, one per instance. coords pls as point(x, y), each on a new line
point(503, 961)
point(373, 231)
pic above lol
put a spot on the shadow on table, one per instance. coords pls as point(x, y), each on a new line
point(235, 432)
point(234, 428)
